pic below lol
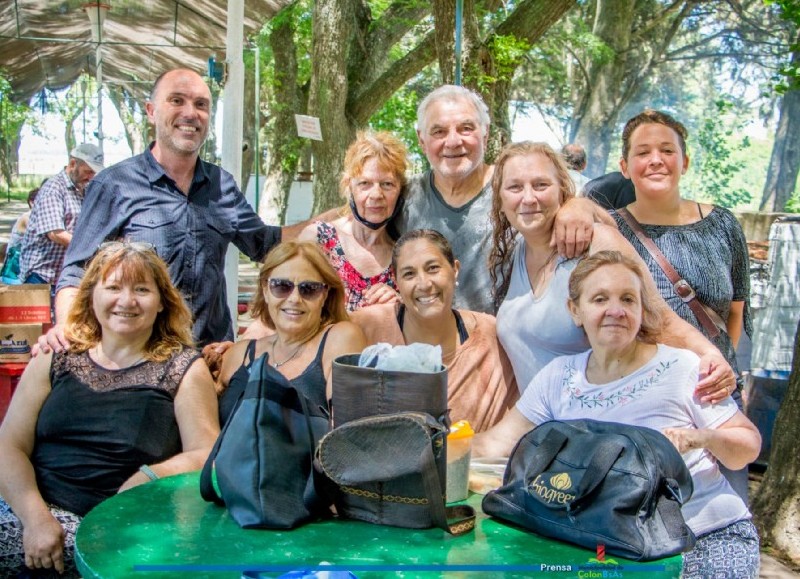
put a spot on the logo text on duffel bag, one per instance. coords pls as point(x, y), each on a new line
point(552, 490)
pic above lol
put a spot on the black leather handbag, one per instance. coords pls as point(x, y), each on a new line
point(387, 454)
point(264, 455)
point(598, 483)
point(386, 473)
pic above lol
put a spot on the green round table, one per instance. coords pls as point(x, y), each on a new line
point(165, 529)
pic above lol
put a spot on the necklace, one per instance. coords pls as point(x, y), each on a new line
point(287, 360)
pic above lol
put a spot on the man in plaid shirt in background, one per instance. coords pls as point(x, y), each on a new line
point(54, 215)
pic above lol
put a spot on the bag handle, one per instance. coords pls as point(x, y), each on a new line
point(602, 460)
point(680, 285)
point(462, 517)
point(545, 454)
point(207, 489)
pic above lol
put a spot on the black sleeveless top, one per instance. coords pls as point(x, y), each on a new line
point(98, 426)
point(311, 382)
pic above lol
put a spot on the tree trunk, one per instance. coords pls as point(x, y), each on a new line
point(784, 162)
point(250, 127)
point(597, 113)
point(637, 34)
point(490, 64)
point(69, 129)
point(9, 157)
point(776, 506)
point(333, 30)
point(288, 99)
point(128, 110)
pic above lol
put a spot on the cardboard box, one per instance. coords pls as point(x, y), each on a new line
point(16, 341)
point(25, 304)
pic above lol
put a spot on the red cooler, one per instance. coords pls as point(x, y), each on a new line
point(9, 376)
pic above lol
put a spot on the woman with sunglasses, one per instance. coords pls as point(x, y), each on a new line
point(301, 299)
point(357, 243)
point(129, 402)
point(480, 381)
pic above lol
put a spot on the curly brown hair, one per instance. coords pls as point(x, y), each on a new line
point(503, 234)
point(651, 317)
point(333, 309)
point(172, 327)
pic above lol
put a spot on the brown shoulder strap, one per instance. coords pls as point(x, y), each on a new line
point(680, 285)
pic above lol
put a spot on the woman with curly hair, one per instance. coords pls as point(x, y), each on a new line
point(131, 401)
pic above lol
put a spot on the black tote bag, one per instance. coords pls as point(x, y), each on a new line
point(405, 482)
point(589, 482)
point(264, 455)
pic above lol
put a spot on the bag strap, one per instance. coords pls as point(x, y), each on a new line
point(680, 285)
point(670, 510)
point(601, 462)
point(462, 517)
point(546, 453)
point(207, 489)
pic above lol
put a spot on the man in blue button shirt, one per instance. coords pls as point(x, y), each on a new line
point(190, 210)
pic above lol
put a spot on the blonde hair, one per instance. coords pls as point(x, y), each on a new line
point(333, 309)
point(172, 327)
point(503, 234)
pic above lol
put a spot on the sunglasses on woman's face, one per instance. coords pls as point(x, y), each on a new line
point(283, 288)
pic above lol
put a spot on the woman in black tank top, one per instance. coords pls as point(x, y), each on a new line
point(301, 299)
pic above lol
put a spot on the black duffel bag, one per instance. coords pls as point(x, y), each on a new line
point(264, 455)
point(598, 483)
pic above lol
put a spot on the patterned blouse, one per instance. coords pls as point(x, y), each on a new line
point(711, 255)
point(355, 284)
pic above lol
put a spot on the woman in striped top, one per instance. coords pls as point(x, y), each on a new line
point(704, 243)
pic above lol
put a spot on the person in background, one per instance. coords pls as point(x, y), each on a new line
point(704, 243)
point(480, 381)
point(55, 215)
point(131, 401)
point(530, 185)
point(357, 244)
point(610, 191)
point(629, 377)
point(10, 272)
point(301, 299)
point(575, 158)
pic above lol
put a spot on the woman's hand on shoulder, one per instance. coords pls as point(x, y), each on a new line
point(717, 379)
point(228, 364)
point(572, 229)
point(43, 543)
point(381, 293)
point(213, 354)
